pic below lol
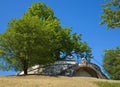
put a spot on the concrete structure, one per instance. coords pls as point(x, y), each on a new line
point(68, 68)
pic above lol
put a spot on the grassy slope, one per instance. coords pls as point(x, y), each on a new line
point(46, 81)
point(108, 84)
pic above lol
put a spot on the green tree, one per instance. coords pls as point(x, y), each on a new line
point(38, 38)
point(62, 42)
point(111, 63)
point(111, 14)
point(111, 17)
point(24, 43)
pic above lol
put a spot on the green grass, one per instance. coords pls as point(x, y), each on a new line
point(108, 84)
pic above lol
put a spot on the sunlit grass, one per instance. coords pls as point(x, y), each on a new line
point(57, 81)
point(107, 84)
point(45, 81)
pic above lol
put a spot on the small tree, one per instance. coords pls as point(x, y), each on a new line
point(111, 63)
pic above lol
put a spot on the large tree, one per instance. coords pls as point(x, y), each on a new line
point(111, 63)
point(24, 43)
point(38, 38)
point(111, 14)
point(61, 39)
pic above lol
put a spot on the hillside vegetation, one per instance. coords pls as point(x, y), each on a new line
point(47, 81)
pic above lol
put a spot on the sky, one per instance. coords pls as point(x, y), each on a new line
point(82, 15)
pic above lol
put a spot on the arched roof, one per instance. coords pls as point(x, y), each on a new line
point(90, 68)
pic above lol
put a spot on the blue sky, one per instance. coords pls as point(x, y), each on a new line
point(82, 15)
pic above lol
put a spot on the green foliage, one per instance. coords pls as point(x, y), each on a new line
point(111, 63)
point(23, 43)
point(108, 84)
point(38, 38)
point(0, 51)
point(111, 14)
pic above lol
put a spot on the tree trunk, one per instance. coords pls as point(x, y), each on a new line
point(25, 71)
point(25, 68)
point(58, 55)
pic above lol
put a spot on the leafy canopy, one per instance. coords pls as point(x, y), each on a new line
point(111, 63)
point(111, 14)
point(38, 38)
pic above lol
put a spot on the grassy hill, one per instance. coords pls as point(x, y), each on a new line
point(60, 81)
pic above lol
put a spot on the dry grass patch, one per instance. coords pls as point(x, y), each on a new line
point(50, 81)
point(46, 81)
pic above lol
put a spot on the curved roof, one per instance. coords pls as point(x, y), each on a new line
point(90, 68)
